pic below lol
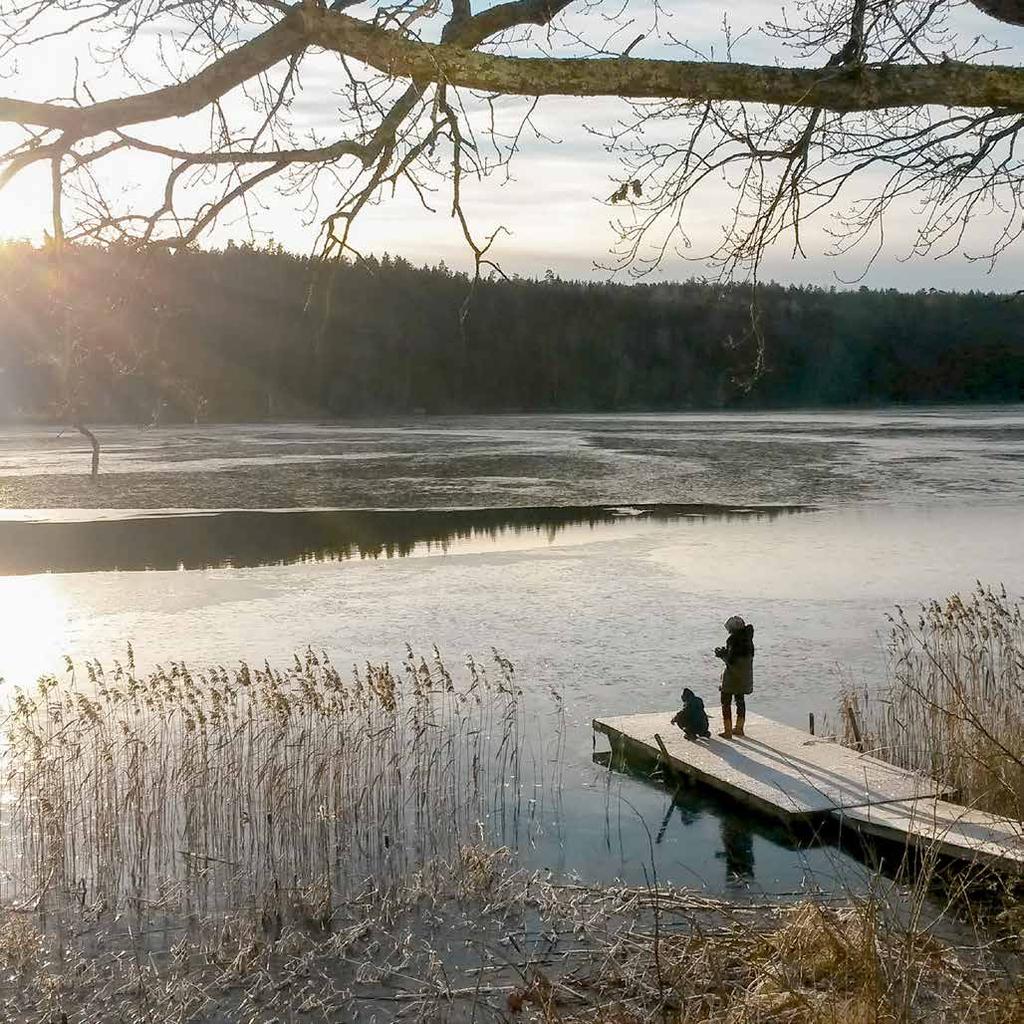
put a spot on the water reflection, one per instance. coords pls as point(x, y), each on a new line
point(254, 538)
point(737, 851)
point(703, 835)
point(35, 613)
point(700, 828)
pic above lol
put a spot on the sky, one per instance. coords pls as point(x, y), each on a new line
point(551, 204)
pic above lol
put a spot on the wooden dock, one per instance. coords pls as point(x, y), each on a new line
point(794, 776)
point(941, 827)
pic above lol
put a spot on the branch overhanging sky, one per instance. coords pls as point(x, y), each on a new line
point(552, 202)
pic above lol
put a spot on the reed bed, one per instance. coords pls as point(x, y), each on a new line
point(953, 704)
point(272, 847)
point(258, 792)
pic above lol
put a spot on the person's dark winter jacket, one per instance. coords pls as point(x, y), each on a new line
point(738, 655)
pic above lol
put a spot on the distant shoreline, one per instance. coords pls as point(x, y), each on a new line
point(407, 417)
point(246, 335)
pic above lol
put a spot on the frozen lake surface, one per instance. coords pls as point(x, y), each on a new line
point(587, 581)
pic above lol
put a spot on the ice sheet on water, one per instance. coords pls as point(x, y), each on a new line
point(893, 456)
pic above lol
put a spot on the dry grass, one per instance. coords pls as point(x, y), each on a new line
point(511, 946)
point(953, 706)
point(805, 964)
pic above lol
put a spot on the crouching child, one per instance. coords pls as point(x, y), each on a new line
point(692, 719)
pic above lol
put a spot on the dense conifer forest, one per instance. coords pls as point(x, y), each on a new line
point(249, 333)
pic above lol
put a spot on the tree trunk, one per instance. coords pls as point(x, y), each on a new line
point(94, 441)
point(1005, 10)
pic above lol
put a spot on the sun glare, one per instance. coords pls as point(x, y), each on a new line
point(24, 211)
point(34, 613)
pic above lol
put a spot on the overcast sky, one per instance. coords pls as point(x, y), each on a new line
point(552, 203)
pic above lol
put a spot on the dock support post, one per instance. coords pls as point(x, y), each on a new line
point(851, 717)
point(669, 770)
point(810, 723)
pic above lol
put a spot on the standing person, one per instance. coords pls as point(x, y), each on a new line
point(738, 676)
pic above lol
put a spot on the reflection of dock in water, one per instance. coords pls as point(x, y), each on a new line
point(738, 829)
point(797, 778)
point(200, 540)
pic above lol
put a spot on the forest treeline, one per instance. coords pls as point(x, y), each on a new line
point(247, 333)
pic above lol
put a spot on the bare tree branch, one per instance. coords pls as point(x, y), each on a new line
point(839, 89)
point(874, 88)
point(284, 40)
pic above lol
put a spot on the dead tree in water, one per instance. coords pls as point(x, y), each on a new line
point(69, 349)
point(94, 441)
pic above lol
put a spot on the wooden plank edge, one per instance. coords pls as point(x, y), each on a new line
point(938, 792)
point(638, 752)
point(642, 752)
point(955, 851)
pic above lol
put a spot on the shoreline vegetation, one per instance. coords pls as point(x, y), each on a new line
point(248, 334)
point(191, 792)
point(953, 705)
point(483, 942)
point(258, 845)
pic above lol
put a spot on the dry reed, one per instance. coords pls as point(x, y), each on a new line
point(255, 791)
point(485, 942)
point(256, 846)
point(953, 706)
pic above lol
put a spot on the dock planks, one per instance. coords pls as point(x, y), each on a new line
point(938, 826)
point(795, 776)
point(776, 768)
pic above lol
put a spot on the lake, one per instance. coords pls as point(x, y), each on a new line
point(601, 554)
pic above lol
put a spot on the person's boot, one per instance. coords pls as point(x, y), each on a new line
point(741, 717)
point(726, 732)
